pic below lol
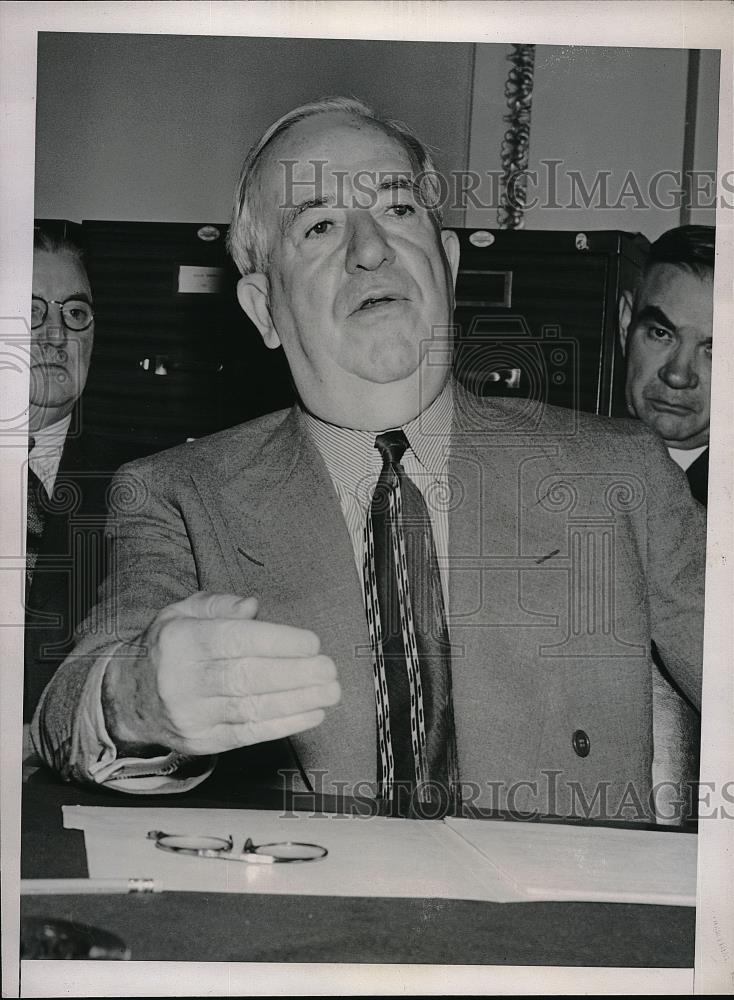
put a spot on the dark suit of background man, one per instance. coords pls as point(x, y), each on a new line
point(69, 470)
point(665, 329)
point(295, 576)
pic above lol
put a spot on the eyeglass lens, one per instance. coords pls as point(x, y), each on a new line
point(76, 314)
point(291, 852)
point(221, 847)
point(182, 842)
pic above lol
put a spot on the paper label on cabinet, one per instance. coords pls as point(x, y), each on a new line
point(199, 279)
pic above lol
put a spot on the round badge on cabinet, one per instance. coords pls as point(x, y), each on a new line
point(581, 743)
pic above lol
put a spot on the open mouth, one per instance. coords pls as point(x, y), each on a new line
point(373, 302)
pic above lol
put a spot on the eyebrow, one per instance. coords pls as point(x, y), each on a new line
point(398, 182)
point(294, 213)
point(654, 313)
point(401, 182)
point(84, 296)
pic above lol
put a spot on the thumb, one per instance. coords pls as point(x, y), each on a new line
point(209, 606)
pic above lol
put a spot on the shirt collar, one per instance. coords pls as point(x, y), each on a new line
point(430, 432)
point(52, 437)
point(353, 461)
point(45, 456)
point(685, 458)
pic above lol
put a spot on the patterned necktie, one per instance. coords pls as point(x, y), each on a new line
point(417, 763)
point(35, 519)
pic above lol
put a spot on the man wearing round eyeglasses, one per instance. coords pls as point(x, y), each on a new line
point(62, 334)
point(69, 468)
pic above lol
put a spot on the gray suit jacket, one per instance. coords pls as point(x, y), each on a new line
point(72, 558)
point(560, 574)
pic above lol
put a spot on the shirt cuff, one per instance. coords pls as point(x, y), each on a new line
point(172, 772)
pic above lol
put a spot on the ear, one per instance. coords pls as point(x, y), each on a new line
point(253, 293)
point(625, 317)
point(452, 250)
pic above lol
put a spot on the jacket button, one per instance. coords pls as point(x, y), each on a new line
point(581, 743)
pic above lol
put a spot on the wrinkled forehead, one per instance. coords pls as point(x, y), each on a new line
point(667, 282)
point(330, 156)
point(58, 275)
point(679, 297)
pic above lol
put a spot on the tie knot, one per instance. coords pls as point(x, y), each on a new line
point(392, 446)
point(31, 444)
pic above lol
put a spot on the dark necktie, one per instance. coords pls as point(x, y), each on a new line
point(417, 764)
point(35, 519)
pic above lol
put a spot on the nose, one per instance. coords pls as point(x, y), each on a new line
point(679, 370)
point(52, 330)
point(367, 249)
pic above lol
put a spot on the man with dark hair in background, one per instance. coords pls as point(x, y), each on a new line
point(69, 468)
point(665, 328)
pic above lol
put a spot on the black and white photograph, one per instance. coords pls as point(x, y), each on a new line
point(366, 498)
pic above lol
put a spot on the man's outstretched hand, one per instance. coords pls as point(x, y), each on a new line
point(207, 676)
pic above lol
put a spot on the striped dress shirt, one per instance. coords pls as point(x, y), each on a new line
point(354, 465)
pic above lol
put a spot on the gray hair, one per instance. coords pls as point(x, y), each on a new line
point(247, 237)
point(49, 242)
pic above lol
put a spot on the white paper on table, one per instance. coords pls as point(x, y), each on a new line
point(485, 860)
point(368, 856)
point(565, 862)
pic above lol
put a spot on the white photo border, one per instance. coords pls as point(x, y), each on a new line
point(654, 24)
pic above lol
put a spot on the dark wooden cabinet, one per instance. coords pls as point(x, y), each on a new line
point(536, 314)
point(175, 357)
point(61, 229)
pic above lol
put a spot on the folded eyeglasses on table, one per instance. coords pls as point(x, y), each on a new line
point(222, 848)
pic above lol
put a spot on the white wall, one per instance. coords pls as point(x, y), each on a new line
point(487, 128)
point(706, 134)
point(599, 109)
point(155, 127)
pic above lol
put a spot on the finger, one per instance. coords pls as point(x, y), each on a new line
point(260, 675)
point(280, 704)
point(231, 639)
point(246, 734)
point(206, 605)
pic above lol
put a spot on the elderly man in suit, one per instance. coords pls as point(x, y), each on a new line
point(69, 469)
point(394, 588)
point(665, 329)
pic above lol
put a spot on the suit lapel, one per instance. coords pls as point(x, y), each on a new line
point(281, 532)
point(79, 492)
point(491, 535)
point(289, 545)
point(487, 507)
point(698, 477)
point(51, 588)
